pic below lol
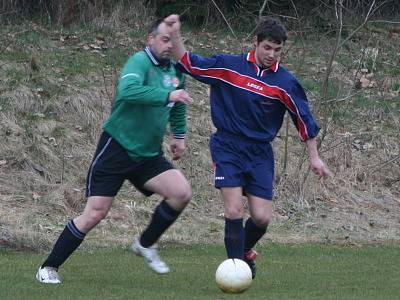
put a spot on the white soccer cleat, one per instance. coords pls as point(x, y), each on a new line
point(151, 256)
point(48, 275)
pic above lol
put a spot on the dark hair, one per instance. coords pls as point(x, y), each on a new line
point(271, 29)
point(153, 28)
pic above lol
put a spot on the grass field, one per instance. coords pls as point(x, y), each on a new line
point(284, 272)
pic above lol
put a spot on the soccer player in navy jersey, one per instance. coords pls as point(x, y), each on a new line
point(249, 94)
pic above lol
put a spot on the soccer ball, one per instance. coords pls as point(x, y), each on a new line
point(233, 276)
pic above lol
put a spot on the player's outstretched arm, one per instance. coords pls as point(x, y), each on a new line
point(317, 165)
point(173, 24)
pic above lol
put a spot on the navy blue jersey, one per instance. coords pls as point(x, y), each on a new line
point(249, 101)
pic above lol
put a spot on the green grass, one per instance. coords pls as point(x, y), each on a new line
point(56, 59)
point(284, 272)
point(16, 77)
point(310, 85)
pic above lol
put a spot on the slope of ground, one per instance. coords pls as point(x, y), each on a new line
point(56, 89)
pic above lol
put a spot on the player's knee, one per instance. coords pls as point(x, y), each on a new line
point(96, 215)
point(184, 195)
point(180, 198)
point(262, 221)
point(234, 212)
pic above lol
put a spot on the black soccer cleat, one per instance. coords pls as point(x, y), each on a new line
point(250, 259)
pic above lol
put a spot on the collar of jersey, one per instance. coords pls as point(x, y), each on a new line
point(154, 60)
point(251, 57)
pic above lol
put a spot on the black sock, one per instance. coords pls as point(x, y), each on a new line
point(234, 238)
point(252, 234)
point(163, 217)
point(68, 241)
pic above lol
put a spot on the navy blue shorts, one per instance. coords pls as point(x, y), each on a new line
point(111, 165)
point(239, 162)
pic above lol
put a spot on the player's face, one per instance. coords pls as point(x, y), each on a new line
point(267, 52)
point(161, 44)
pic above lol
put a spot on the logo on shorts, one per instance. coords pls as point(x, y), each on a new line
point(214, 165)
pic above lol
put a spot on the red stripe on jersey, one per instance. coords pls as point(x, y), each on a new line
point(250, 84)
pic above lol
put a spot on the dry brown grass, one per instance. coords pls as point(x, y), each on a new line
point(42, 183)
point(46, 159)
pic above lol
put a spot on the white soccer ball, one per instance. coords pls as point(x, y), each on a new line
point(233, 276)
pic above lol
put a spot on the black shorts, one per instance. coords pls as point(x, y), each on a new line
point(111, 165)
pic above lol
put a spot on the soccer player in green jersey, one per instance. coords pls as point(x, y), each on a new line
point(150, 95)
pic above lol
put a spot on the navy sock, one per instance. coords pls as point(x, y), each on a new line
point(234, 238)
point(252, 234)
point(68, 241)
point(163, 217)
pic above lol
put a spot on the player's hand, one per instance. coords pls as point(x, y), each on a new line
point(319, 168)
point(173, 24)
point(180, 96)
point(177, 148)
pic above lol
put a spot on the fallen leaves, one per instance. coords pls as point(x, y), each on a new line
point(98, 47)
point(360, 145)
point(364, 79)
point(36, 196)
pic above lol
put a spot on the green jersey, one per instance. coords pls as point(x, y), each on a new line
point(141, 111)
